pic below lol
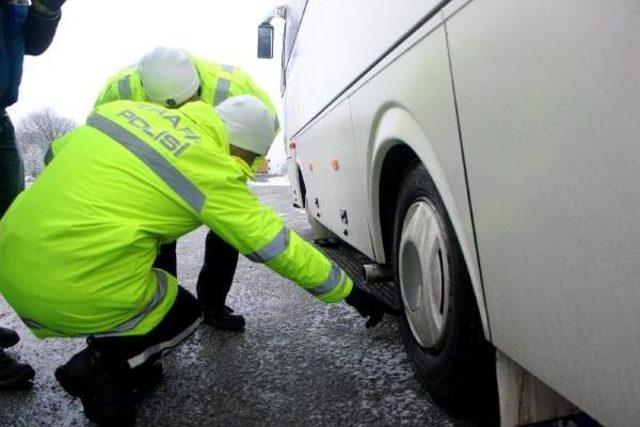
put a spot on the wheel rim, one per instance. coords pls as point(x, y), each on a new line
point(424, 273)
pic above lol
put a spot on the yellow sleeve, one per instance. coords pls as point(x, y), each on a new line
point(109, 93)
point(233, 212)
point(244, 84)
point(233, 79)
point(56, 146)
point(122, 86)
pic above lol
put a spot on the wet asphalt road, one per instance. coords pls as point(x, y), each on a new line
point(300, 362)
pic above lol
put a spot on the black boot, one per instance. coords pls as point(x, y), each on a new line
point(145, 377)
point(101, 384)
point(224, 319)
point(14, 375)
point(8, 338)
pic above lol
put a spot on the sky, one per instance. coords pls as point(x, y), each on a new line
point(96, 38)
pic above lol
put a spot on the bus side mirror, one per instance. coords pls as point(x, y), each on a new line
point(265, 40)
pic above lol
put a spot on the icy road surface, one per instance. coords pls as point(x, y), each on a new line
point(300, 362)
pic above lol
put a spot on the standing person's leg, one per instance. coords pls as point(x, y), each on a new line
point(167, 259)
point(104, 374)
point(12, 373)
point(11, 168)
point(214, 283)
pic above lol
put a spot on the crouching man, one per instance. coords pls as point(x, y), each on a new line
point(77, 248)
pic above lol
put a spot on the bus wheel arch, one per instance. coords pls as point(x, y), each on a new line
point(302, 186)
point(396, 139)
point(453, 357)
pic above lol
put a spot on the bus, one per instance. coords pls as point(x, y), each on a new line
point(487, 154)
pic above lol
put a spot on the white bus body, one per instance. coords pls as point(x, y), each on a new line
point(526, 116)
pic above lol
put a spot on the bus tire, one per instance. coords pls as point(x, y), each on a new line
point(440, 324)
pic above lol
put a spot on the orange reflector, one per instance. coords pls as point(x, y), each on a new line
point(335, 165)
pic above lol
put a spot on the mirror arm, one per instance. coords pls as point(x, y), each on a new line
point(276, 12)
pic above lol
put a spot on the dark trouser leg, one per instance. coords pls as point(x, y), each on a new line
point(216, 276)
point(179, 323)
point(11, 168)
point(167, 259)
point(12, 373)
point(102, 374)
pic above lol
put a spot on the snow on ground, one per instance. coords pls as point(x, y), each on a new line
point(273, 181)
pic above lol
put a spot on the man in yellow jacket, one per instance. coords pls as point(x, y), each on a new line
point(77, 247)
point(170, 77)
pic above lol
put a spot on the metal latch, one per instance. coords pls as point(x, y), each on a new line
point(343, 216)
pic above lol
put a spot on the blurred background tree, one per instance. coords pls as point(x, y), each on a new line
point(34, 134)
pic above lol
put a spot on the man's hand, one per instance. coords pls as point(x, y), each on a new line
point(368, 306)
point(47, 7)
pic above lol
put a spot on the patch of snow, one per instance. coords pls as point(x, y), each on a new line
point(274, 181)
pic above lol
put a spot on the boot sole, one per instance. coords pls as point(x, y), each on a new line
point(67, 383)
point(22, 380)
point(71, 386)
point(9, 343)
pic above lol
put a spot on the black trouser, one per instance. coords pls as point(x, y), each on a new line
point(11, 168)
point(216, 275)
point(180, 322)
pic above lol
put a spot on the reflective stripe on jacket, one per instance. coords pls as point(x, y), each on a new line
point(82, 239)
point(217, 82)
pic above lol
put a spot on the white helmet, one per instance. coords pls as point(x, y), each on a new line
point(249, 123)
point(168, 76)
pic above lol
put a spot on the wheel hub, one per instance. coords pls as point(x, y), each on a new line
point(424, 273)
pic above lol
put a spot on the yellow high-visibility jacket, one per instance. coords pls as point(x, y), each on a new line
point(77, 247)
point(217, 83)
